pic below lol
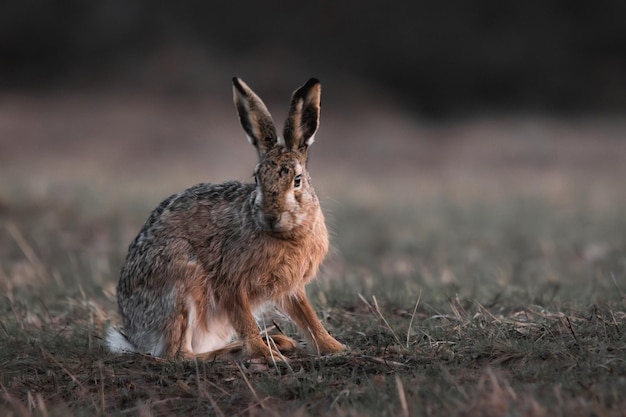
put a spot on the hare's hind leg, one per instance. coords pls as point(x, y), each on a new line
point(236, 349)
point(297, 306)
point(175, 335)
point(179, 327)
point(232, 350)
point(184, 338)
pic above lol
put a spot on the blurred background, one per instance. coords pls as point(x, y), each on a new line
point(429, 94)
point(440, 59)
point(466, 146)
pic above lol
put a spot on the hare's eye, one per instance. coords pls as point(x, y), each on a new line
point(297, 182)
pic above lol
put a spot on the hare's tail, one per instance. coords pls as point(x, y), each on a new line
point(117, 342)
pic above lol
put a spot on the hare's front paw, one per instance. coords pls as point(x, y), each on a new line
point(330, 345)
point(257, 349)
point(282, 343)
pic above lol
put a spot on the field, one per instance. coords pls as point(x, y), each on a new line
point(478, 266)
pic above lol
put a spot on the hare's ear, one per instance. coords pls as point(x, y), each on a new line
point(304, 116)
point(255, 119)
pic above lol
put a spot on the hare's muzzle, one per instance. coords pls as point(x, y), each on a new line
point(271, 222)
point(277, 223)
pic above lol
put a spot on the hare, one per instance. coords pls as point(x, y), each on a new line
point(211, 256)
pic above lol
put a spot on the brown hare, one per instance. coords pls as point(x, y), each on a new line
point(211, 256)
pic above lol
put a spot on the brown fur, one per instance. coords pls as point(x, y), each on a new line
point(208, 258)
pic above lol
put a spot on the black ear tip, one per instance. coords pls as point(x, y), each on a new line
point(237, 84)
point(312, 82)
point(306, 88)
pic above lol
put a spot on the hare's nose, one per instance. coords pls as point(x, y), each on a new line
point(272, 220)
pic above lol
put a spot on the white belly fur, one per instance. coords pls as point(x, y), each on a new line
point(219, 331)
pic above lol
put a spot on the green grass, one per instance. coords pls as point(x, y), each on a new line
point(512, 305)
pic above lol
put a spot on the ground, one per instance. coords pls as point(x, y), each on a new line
point(478, 266)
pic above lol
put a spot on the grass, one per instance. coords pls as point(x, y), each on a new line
point(491, 282)
point(510, 306)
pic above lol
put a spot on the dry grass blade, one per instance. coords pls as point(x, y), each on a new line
point(485, 311)
point(48, 355)
point(408, 332)
point(271, 345)
point(342, 393)
point(204, 393)
point(571, 329)
point(382, 361)
point(41, 405)
point(402, 397)
point(380, 314)
point(102, 397)
point(259, 401)
point(617, 287)
point(28, 252)
point(457, 309)
point(376, 309)
point(214, 404)
point(75, 379)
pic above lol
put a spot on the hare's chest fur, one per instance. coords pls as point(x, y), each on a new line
point(272, 266)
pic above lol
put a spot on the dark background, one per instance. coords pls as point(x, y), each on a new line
point(439, 58)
